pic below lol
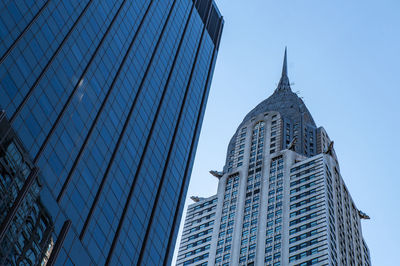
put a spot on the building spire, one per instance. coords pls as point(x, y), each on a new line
point(284, 68)
point(284, 83)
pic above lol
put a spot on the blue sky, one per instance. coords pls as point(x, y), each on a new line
point(343, 58)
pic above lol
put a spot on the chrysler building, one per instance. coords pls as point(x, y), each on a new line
point(281, 199)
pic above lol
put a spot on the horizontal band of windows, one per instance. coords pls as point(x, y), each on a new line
point(307, 186)
point(198, 228)
point(320, 191)
point(307, 235)
point(316, 177)
point(306, 209)
point(202, 205)
point(199, 207)
point(307, 226)
point(314, 261)
point(304, 165)
point(316, 169)
point(199, 220)
point(206, 232)
point(307, 253)
point(307, 217)
point(306, 194)
point(196, 243)
point(307, 201)
point(199, 258)
point(197, 251)
point(201, 212)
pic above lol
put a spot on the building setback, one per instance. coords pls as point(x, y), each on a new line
point(281, 199)
point(197, 231)
point(103, 101)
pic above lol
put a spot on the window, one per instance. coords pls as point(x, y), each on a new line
point(270, 200)
point(303, 245)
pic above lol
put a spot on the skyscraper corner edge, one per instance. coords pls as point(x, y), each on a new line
point(101, 98)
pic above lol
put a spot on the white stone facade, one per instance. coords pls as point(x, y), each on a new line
point(281, 199)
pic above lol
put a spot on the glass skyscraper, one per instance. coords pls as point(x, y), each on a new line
point(281, 199)
point(102, 105)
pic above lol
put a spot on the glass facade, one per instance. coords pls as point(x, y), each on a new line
point(108, 98)
point(26, 230)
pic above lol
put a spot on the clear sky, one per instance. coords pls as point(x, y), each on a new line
point(343, 58)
